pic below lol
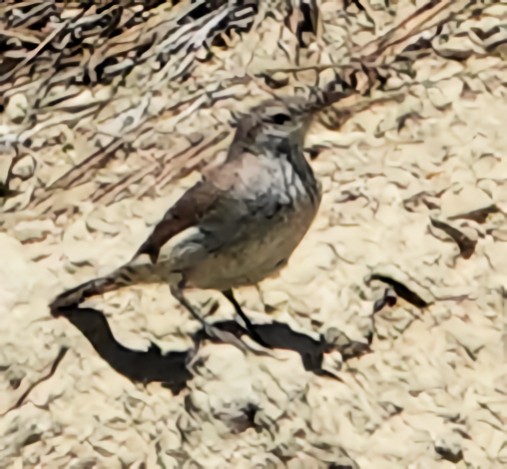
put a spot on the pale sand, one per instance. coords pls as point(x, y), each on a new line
point(433, 389)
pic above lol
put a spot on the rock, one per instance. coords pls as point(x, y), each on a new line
point(16, 108)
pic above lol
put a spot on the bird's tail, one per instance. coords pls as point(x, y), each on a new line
point(122, 277)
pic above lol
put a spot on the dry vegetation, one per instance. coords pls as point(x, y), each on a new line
point(108, 111)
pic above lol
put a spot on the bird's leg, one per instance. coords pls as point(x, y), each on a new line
point(211, 331)
point(248, 324)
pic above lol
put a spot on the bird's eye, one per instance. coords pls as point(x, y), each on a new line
point(280, 118)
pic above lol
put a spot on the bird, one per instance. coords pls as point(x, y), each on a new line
point(239, 224)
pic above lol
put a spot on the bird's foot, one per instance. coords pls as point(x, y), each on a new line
point(232, 339)
point(250, 328)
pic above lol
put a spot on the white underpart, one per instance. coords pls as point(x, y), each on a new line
point(254, 245)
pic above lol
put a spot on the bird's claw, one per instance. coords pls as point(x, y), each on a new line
point(232, 339)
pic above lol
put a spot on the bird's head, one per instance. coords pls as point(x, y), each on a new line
point(284, 117)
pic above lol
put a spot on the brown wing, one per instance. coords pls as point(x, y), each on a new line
point(185, 213)
point(199, 199)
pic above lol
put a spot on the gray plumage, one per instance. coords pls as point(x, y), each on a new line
point(240, 223)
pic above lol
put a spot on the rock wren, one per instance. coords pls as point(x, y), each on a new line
point(239, 224)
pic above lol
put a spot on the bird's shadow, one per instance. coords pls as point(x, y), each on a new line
point(171, 368)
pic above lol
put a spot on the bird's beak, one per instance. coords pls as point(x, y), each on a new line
point(331, 97)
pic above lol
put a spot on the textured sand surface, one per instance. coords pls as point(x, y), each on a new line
point(415, 191)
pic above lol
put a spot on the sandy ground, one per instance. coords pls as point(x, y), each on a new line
point(415, 194)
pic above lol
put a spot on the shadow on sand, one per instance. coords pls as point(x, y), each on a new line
point(171, 369)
